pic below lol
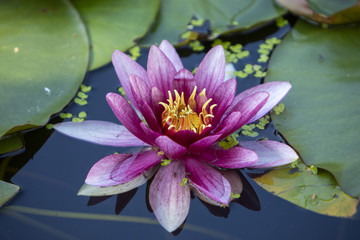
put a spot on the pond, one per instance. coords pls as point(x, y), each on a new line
point(53, 167)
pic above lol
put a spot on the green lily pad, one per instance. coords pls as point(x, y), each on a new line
point(330, 12)
point(321, 117)
point(11, 143)
point(224, 16)
point(115, 24)
point(43, 59)
point(316, 192)
point(7, 192)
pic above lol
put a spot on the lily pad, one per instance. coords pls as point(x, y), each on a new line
point(224, 17)
point(7, 192)
point(317, 192)
point(41, 64)
point(115, 24)
point(11, 143)
point(331, 12)
point(321, 117)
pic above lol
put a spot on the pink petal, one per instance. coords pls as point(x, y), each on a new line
point(169, 200)
point(235, 182)
point(169, 50)
point(116, 169)
point(126, 115)
point(230, 124)
point(160, 70)
point(142, 96)
point(96, 191)
point(211, 71)
point(149, 134)
point(223, 98)
point(184, 137)
point(203, 143)
point(100, 173)
point(208, 180)
point(157, 96)
point(248, 107)
point(170, 147)
point(100, 132)
point(271, 153)
point(134, 166)
point(236, 157)
point(184, 82)
point(276, 90)
point(236, 187)
point(125, 66)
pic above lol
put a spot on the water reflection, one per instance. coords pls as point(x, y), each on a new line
point(247, 199)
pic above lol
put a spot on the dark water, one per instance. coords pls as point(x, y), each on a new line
point(48, 207)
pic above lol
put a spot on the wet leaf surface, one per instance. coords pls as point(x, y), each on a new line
point(7, 192)
point(114, 24)
point(317, 192)
point(41, 64)
point(322, 110)
point(220, 17)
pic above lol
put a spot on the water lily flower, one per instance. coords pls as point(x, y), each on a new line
point(183, 117)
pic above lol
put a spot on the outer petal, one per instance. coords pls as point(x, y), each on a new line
point(211, 71)
point(169, 200)
point(142, 96)
point(135, 166)
point(271, 153)
point(160, 69)
point(208, 180)
point(96, 191)
point(116, 169)
point(124, 66)
point(100, 132)
point(100, 173)
point(276, 90)
point(170, 148)
point(169, 50)
point(236, 157)
point(235, 181)
point(126, 115)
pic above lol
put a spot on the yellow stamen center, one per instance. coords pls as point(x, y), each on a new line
point(180, 115)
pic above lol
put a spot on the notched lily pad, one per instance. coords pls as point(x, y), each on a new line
point(7, 192)
point(322, 109)
point(41, 64)
point(317, 192)
point(178, 21)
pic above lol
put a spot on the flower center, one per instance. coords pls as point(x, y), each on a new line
point(180, 115)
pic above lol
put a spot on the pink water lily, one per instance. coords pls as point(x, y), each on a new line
point(183, 116)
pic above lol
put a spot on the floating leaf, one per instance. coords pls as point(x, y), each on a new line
point(317, 192)
point(7, 192)
point(11, 143)
point(323, 11)
point(115, 24)
point(224, 17)
point(322, 109)
point(41, 64)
